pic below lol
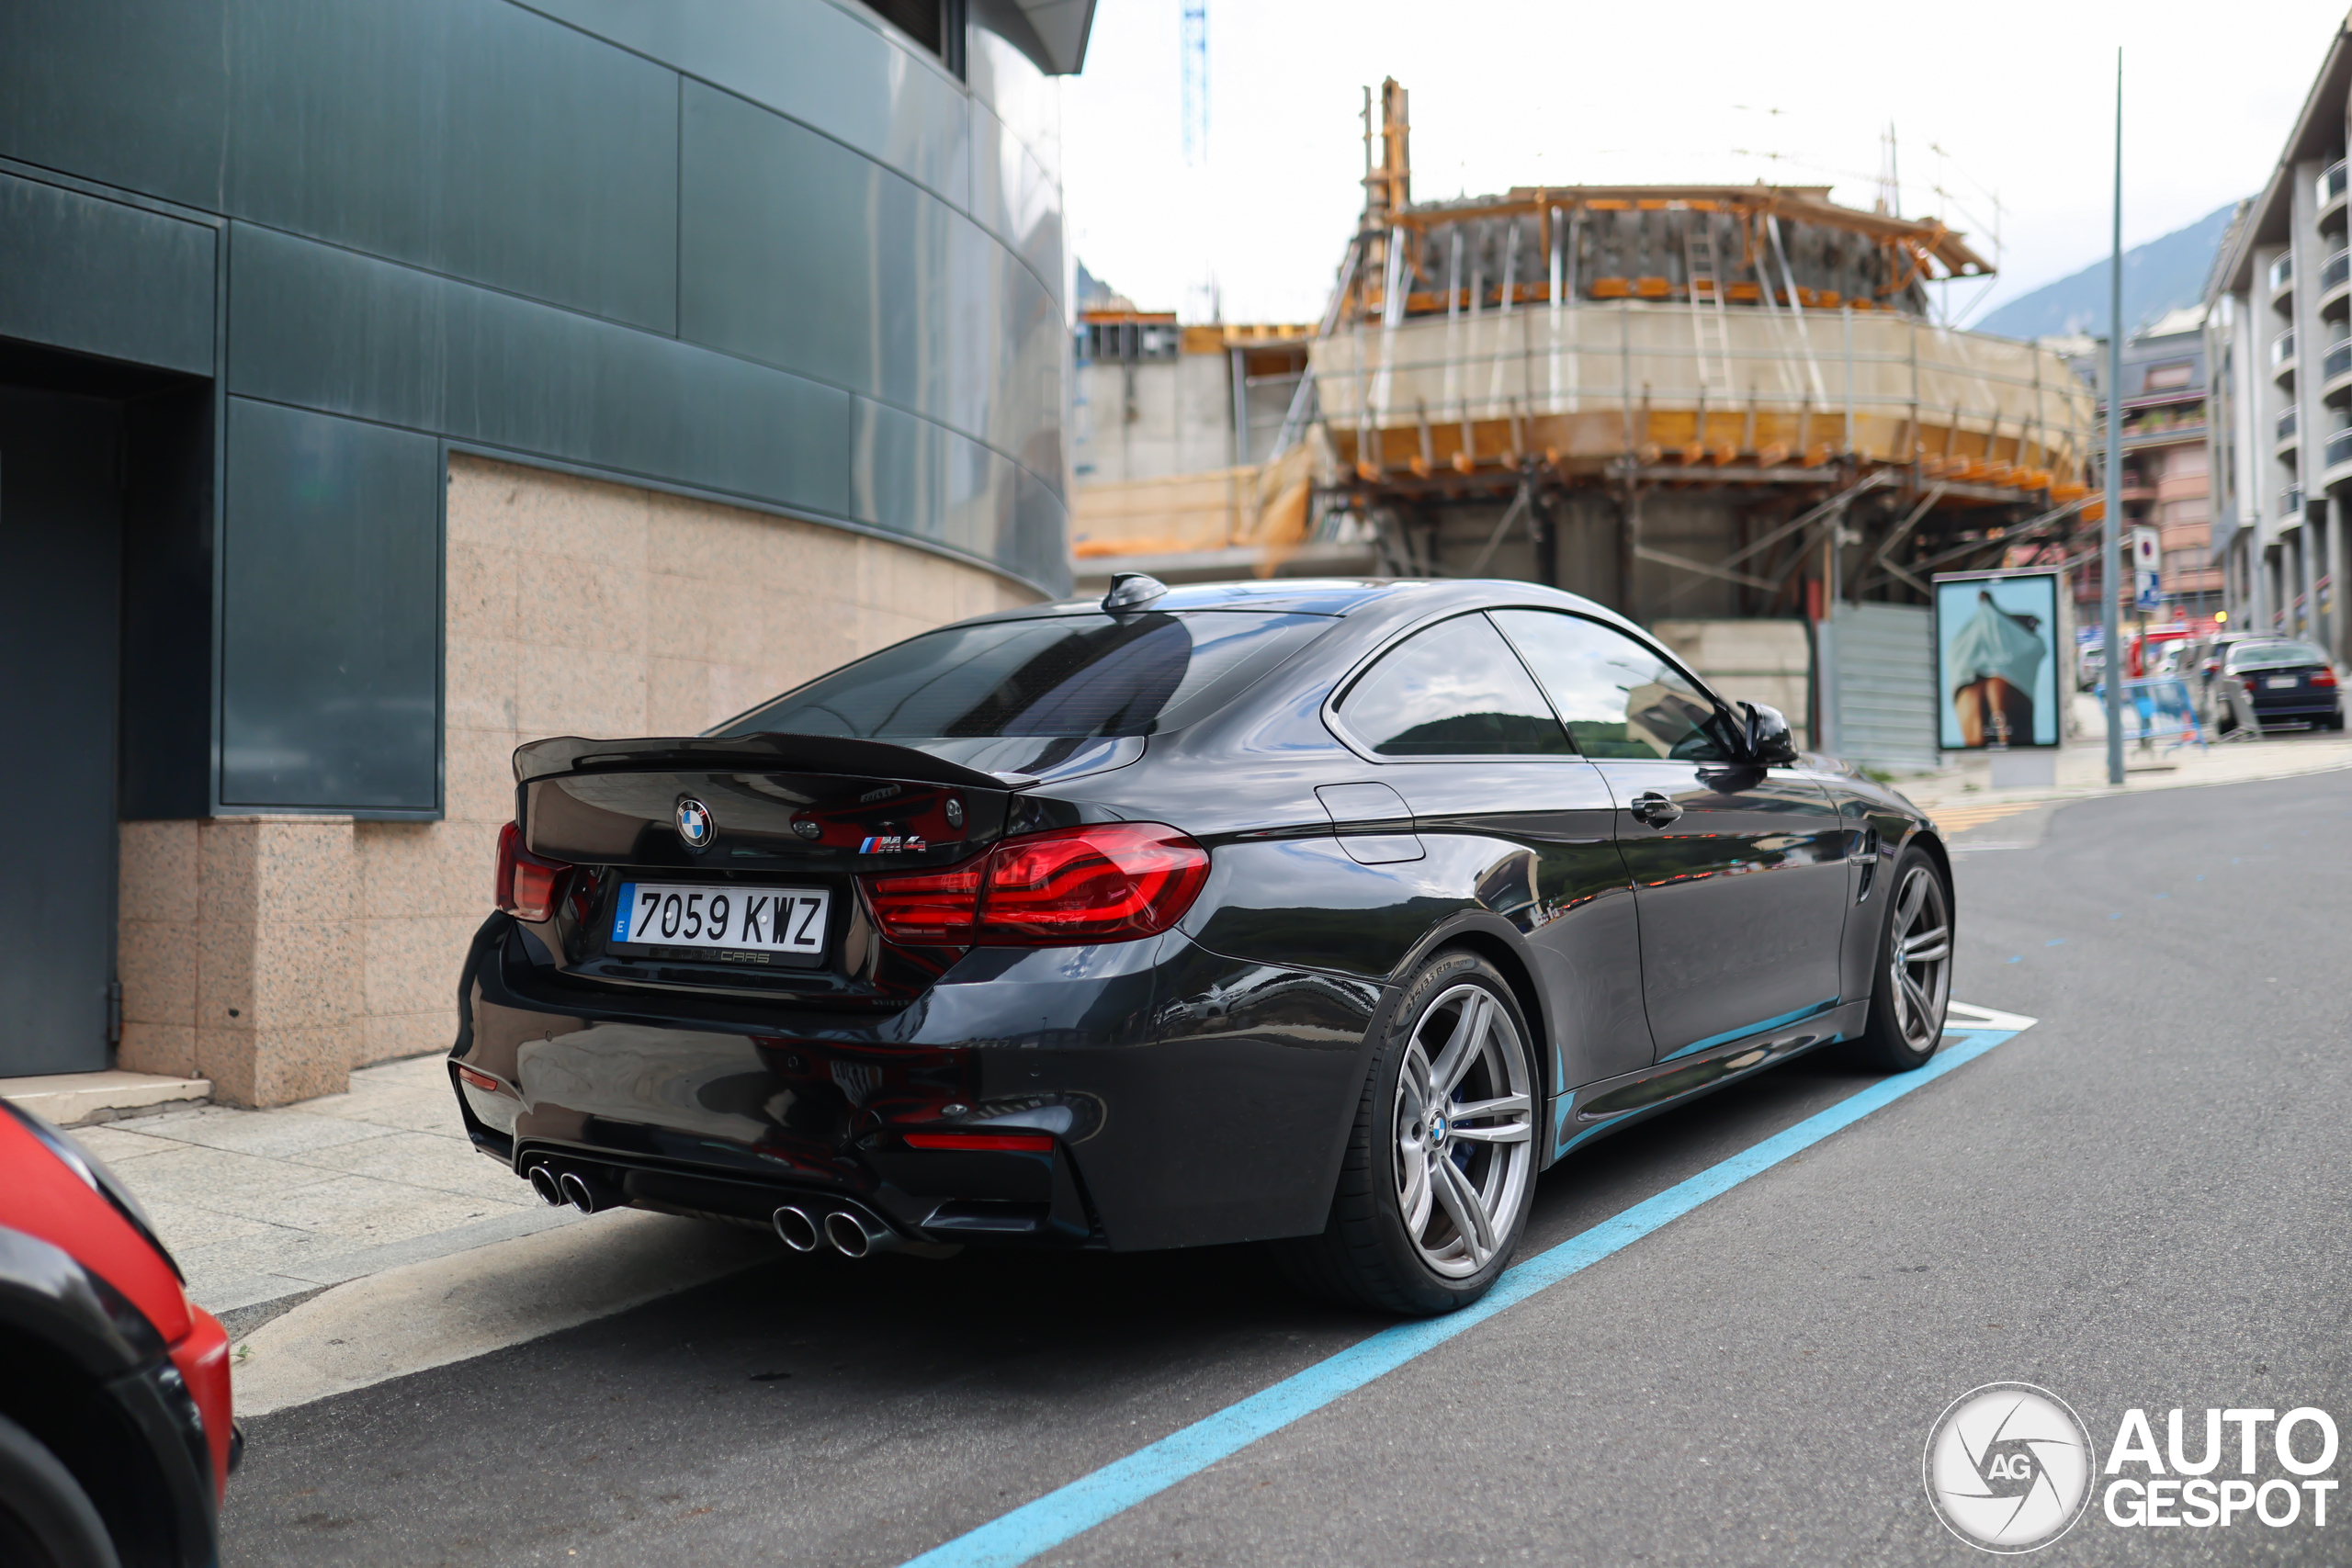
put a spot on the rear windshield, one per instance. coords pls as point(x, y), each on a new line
point(1063, 677)
point(2273, 655)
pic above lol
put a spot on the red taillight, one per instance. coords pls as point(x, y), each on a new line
point(2323, 677)
point(1109, 882)
point(928, 909)
point(1105, 884)
point(528, 886)
point(1008, 1143)
point(2250, 684)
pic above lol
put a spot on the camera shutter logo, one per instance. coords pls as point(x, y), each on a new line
point(2008, 1467)
point(694, 828)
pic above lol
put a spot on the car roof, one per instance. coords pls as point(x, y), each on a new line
point(1330, 597)
point(1296, 595)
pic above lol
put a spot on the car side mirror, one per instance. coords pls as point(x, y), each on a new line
point(1769, 744)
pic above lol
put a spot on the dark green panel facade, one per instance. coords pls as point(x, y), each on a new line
point(103, 277)
point(331, 611)
point(474, 139)
point(129, 93)
point(328, 329)
point(767, 250)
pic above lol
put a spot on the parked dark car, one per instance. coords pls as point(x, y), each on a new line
point(1318, 913)
point(116, 1438)
point(2287, 682)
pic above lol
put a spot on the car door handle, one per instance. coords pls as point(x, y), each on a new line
point(1654, 810)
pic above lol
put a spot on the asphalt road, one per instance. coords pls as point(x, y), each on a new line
point(2140, 1202)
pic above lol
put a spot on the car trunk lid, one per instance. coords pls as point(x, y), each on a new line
point(781, 802)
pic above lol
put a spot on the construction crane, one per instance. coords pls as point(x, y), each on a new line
point(1195, 50)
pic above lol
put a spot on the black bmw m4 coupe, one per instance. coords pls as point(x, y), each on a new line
point(1321, 914)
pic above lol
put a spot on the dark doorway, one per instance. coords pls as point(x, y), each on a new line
point(61, 573)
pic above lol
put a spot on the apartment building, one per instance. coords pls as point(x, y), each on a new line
point(2279, 335)
point(2167, 464)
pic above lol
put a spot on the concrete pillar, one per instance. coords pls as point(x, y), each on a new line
point(2334, 561)
point(239, 953)
point(2306, 576)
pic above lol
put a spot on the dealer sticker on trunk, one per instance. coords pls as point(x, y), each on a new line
point(764, 919)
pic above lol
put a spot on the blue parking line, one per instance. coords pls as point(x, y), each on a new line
point(1040, 1526)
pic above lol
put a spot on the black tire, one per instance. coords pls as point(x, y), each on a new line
point(46, 1519)
point(1366, 1256)
point(1894, 1041)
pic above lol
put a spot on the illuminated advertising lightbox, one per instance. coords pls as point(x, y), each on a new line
point(1998, 676)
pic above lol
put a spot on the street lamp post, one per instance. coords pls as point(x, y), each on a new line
point(2110, 532)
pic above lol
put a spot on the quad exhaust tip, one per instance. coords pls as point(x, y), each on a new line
point(796, 1228)
point(585, 1193)
point(544, 1184)
point(856, 1235)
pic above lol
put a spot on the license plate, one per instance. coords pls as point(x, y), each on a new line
point(2282, 683)
point(759, 924)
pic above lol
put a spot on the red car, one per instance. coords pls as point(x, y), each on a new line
point(115, 1438)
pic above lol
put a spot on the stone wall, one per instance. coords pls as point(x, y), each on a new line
point(274, 955)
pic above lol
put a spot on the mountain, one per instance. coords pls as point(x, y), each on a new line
point(2162, 275)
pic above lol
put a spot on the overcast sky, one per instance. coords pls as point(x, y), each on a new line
point(2018, 98)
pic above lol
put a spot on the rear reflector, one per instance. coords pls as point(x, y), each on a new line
point(528, 886)
point(478, 1080)
point(1012, 1142)
point(1112, 882)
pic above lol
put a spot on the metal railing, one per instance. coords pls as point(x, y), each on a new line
point(2331, 182)
point(2339, 448)
point(2287, 422)
point(2338, 361)
point(2282, 272)
point(2282, 348)
point(2334, 270)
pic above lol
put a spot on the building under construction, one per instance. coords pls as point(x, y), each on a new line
point(1724, 410)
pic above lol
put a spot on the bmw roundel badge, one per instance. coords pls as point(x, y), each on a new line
point(695, 829)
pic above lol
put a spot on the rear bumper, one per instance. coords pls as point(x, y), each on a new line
point(2297, 708)
point(1191, 1099)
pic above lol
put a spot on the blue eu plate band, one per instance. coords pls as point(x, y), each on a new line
point(1040, 1526)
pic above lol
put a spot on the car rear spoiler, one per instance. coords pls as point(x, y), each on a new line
point(764, 753)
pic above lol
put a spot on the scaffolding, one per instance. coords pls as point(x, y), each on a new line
point(1720, 396)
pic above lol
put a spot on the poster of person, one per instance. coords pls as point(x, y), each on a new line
point(1997, 671)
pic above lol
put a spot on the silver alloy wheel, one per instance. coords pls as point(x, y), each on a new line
point(1919, 958)
point(1464, 1124)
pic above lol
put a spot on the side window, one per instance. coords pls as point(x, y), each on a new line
point(1618, 698)
point(1455, 690)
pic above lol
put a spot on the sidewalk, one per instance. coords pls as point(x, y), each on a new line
point(1958, 795)
point(265, 1209)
